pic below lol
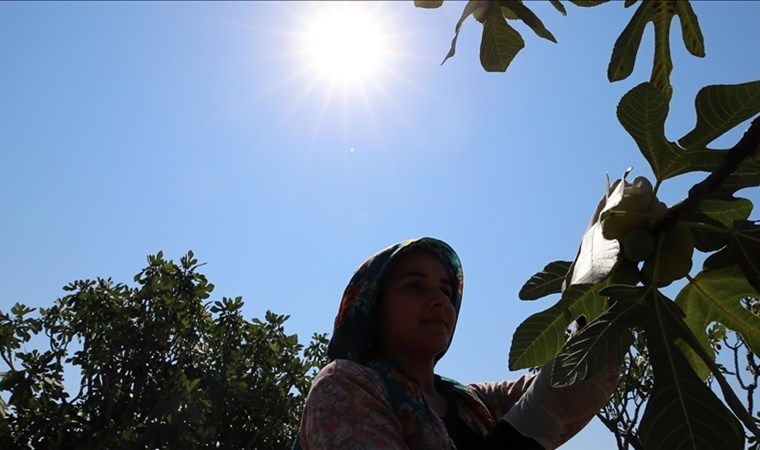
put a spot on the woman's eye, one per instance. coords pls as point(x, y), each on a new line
point(415, 286)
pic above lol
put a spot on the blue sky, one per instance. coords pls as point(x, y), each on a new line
point(133, 127)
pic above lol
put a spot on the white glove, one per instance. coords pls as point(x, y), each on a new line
point(551, 416)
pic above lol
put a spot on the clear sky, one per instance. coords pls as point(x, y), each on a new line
point(132, 127)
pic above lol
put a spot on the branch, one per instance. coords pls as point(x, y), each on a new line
point(8, 360)
point(737, 369)
point(610, 424)
point(745, 148)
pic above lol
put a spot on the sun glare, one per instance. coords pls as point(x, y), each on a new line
point(346, 63)
point(344, 43)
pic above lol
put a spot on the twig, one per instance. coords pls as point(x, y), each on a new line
point(745, 148)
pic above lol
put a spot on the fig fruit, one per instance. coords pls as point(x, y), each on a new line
point(674, 263)
point(682, 237)
point(644, 186)
point(629, 214)
point(625, 272)
point(658, 210)
point(638, 245)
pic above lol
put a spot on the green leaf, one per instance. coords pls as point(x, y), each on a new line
point(717, 213)
point(624, 293)
point(679, 329)
point(548, 281)
point(714, 296)
point(663, 64)
point(711, 223)
point(724, 258)
point(586, 353)
point(499, 44)
point(735, 183)
point(428, 3)
point(558, 6)
point(629, 3)
point(709, 240)
point(530, 19)
point(508, 14)
point(469, 9)
point(588, 3)
point(726, 211)
point(719, 109)
point(682, 412)
point(747, 242)
point(743, 249)
point(690, 30)
point(539, 337)
point(661, 15)
point(627, 45)
point(642, 112)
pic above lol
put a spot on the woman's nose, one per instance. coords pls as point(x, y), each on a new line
point(438, 297)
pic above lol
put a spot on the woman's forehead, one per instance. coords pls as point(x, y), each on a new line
point(421, 263)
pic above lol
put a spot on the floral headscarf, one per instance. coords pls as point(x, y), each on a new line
point(356, 324)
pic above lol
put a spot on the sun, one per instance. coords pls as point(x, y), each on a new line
point(345, 42)
point(345, 61)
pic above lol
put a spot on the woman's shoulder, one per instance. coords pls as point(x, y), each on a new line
point(346, 368)
point(349, 407)
point(344, 372)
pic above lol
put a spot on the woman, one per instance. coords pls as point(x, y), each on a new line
point(395, 321)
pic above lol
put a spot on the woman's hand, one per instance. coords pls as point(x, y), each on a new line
point(551, 415)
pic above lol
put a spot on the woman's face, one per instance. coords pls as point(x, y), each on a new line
point(417, 317)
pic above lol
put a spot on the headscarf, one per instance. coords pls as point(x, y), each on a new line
point(356, 322)
point(356, 325)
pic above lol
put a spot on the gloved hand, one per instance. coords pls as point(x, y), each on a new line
point(551, 416)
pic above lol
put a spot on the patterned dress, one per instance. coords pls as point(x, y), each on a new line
point(349, 407)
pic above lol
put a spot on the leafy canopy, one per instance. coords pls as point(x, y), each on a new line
point(615, 293)
point(160, 366)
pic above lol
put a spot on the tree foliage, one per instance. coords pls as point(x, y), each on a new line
point(160, 366)
point(623, 413)
point(680, 411)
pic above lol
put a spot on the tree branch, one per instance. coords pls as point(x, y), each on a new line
point(745, 148)
point(8, 360)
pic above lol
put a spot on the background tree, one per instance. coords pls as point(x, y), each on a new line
point(160, 367)
point(635, 246)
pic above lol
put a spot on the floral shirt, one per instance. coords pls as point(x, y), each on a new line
point(349, 407)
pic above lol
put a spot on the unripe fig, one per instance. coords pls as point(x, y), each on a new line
point(675, 261)
point(638, 245)
point(645, 187)
point(675, 264)
point(682, 237)
point(625, 272)
point(630, 213)
point(647, 274)
point(658, 210)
